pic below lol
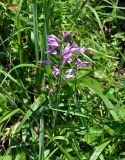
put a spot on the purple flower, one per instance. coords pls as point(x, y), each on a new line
point(55, 71)
point(80, 64)
point(68, 50)
point(66, 36)
point(53, 44)
point(67, 54)
point(69, 73)
point(51, 51)
point(67, 59)
point(52, 41)
point(87, 63)
point(72, 50)
point(82, 50)
point(74, 45)
point(45, 62)
point(52, 37)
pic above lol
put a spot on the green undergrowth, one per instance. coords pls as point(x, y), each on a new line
point(43, 117)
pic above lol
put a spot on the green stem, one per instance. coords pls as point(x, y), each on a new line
point(41, 136)
point(83, 4)
point(75, 93)
point(18, 24)
point(19, 40)
point(77, 14)
point(58, 89)
point(35, 22)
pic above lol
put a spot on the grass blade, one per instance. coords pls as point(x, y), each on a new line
point(18, 24)
point(41, 136)
point(35, 24)
point(9, 115)
point(40, 100)
point(10, 77)
point(99, 150)
point(67, 155)
point(98, 20)
point(95, 86)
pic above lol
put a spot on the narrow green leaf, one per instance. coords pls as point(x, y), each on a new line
point(35, 24)
point(9, 115)
point(10, 77)
point(66, 154)
point(39, 101)
point(6, 158)
point(122, 156)
point(76, 148)
point(98, 20)
point(41, 136)
point(21, 156)
point(99, 150)
point(95, 86)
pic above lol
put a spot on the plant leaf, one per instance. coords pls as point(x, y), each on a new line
point(95, 86)
point(39, 101)
point(99, 150)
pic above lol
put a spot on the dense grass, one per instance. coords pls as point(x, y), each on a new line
point(47, 117)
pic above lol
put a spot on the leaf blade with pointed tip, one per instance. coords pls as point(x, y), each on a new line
point(39, 101)
point(99, 150)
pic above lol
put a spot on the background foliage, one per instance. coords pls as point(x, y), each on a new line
point(40, 119)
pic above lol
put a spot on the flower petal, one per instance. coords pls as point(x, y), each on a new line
point(67, 60)
point(53, 44)
point(45, 62)
point(69, 73)
point(80, 64)
point(74, 45)
point(51, 51)
point(66, 36)
point(82, 50)
point(87, 63)
point(55, 71)
point(66, 49)
point(52, 37)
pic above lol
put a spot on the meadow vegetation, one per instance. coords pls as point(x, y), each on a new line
point(62, 80)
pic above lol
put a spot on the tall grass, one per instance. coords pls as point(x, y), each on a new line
point(35, 24)
point(43, 117)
